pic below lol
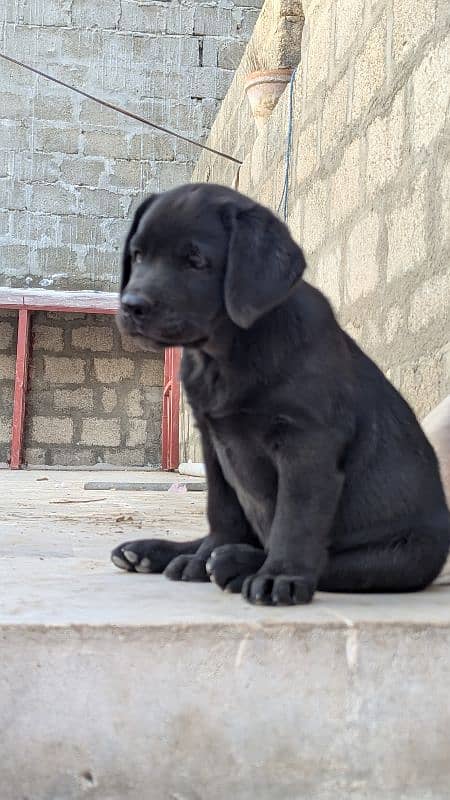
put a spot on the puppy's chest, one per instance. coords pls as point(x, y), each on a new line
point(211, 391)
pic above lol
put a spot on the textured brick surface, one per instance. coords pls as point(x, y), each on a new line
point(100, 431)
point(67, 157)
point(64, 370)
point(406, 232)
point(52, 430)
point(92, 338)
point(369, 191)
point(113, 370)
point(99, 414)
point(362, 265)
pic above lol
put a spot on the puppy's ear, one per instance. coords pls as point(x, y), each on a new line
point(264, 263)
point(126, 255)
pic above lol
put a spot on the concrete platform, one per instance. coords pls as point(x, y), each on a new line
point(120, 686)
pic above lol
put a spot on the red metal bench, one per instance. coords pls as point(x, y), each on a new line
point(29, 300)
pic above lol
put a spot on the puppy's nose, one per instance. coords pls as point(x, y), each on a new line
point(135, 305)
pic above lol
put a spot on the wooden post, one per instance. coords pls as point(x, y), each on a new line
point(20, 388)
point(171, 410)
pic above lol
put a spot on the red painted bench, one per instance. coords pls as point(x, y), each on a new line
point(25, 301)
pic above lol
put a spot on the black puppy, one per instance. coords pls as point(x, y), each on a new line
point(319, 475)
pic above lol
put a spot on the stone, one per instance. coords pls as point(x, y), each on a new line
point(362, 272)
point(137, 432)
point(86, 14)
point(410, 26)
point(51, 430)
point(144, 18)
point(329, 275)
point(49, 107)
point(6, 336)
point(92, 337)
point(7, 367)
point(319, 29)
point(109, 400)
point(80, 399)
point(334, 115)
point(64, 370)
point(113, 370)
point(151, 373)
point(103, 432)
point(72, 457)
point(5, 430)
point(135, 457)
point(431, 95)
point(57, 140)
point(316, 215)
point(369, 71)
point(134, 403)
point(385, 145)
point(55, 199)
point(306, 155)
point(100, 203)
point(345, 184)
point(84, 172)
point(407, 232)
point(430, 302)
point(47, 337)
point(445, 202)
point(105, 144)
point(211, 21)
point(230, 54)
point(349, 20)
point(394, 322)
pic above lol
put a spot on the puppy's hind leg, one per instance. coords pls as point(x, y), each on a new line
point(409, 563)
point(151, 555)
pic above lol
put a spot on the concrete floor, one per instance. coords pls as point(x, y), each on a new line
point(112, 682)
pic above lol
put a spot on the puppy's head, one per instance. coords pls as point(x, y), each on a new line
point(197, 254)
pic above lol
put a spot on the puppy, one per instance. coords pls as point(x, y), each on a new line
point(319, 475)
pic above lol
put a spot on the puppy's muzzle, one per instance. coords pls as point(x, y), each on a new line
point(136, 307)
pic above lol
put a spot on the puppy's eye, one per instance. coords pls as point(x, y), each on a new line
point(196, 260)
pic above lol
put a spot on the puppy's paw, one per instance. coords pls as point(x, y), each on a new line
point(230, 564)
point(278, 590)
point(187, 568)
point(143, 555)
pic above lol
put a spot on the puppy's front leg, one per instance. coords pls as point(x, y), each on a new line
point(227, 523)
point(309, 487)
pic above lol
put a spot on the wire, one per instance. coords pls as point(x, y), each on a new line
point(120, 110)
point(285, 193)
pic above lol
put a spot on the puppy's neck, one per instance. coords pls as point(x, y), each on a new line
point(220, 343)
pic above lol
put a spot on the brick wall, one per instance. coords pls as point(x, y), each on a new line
point(70, 171)
point(93, 397)
point(70, 175)
point(369, 179)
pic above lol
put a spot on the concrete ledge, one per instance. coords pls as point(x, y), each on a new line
point(119, 686)
point(136, 682)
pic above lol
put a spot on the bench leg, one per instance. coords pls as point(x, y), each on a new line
point(20, 388)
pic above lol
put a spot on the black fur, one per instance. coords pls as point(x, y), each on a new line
point(319, 475)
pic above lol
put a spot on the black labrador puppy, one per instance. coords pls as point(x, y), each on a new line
point(319, 475)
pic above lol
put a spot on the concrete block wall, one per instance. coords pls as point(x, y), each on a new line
point(70, 171)
point(369, 179)
point(71, 174)
point(93, 398)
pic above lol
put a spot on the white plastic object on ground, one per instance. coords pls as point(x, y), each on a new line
point(190, 468)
